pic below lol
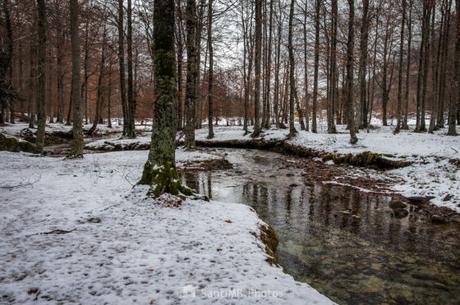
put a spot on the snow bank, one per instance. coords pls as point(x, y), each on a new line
point(77, 231)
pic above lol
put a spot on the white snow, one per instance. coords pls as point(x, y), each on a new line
point(139, 252)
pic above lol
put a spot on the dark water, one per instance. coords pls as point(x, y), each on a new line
point(344, 243)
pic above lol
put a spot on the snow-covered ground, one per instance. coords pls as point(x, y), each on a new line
point(77, 231)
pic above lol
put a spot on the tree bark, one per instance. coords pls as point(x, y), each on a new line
point(364, 37)
point(160, 168)
point(400, 73)
point(350, 47)
point(292, 130)
point(121, 62)
point(257, 64)
point(192, 73)
point(77, 144)
point(452, 131)
point(316, 67)
point(130, 129)
point(210, 72)
point(41, 74)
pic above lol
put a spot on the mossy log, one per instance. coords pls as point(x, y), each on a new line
point(363, 159)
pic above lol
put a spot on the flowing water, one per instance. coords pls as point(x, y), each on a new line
point(344, 243)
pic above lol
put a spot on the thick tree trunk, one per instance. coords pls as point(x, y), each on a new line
point(160, 168)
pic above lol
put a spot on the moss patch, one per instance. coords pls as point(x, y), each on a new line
point(15, 145)
point(268, 237)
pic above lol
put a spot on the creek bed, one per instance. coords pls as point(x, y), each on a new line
point(345, 243)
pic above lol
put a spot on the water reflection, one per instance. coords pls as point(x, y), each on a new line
point(344, 243)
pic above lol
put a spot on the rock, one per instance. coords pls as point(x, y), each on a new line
point(448, 197)
point(417, 200)
point(397, 204)
point(437, 219)
point(33, 290)
point(94, 220)
point(456, 219)
point(400, 213)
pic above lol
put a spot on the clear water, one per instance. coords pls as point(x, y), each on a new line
point(344, 243)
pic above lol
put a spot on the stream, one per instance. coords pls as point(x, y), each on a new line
point(345, 243)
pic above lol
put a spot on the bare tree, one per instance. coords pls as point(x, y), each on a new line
point(350, 47)
point(77, 144)
point(292, 90)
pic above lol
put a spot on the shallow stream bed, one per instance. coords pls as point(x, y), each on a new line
point(345, 243)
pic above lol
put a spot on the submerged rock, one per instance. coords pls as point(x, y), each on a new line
point(397, 204)
point(400, 213)
point(437, 219)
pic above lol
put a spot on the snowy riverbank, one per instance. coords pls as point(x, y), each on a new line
point(430, 174)
point(77, 231)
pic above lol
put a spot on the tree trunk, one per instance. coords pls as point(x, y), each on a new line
point(268, 68)
point(409, 49)
point(364, 37)
point(121, 62)
point(210, 72)
point(258, 51)
point(453, 101)
point(400, 73)
point(305, 62)
point(130, 129)
point(77, 144)
point(316, 67)
point(350, 47)
point(97, 115)
point(292, 130)
point(41, 74)
point(180, 61)
point(192, 73)
point(160, 168)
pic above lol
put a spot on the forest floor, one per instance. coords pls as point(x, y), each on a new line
point(80, 231)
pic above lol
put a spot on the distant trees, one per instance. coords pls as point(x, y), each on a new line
point(403, 63)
